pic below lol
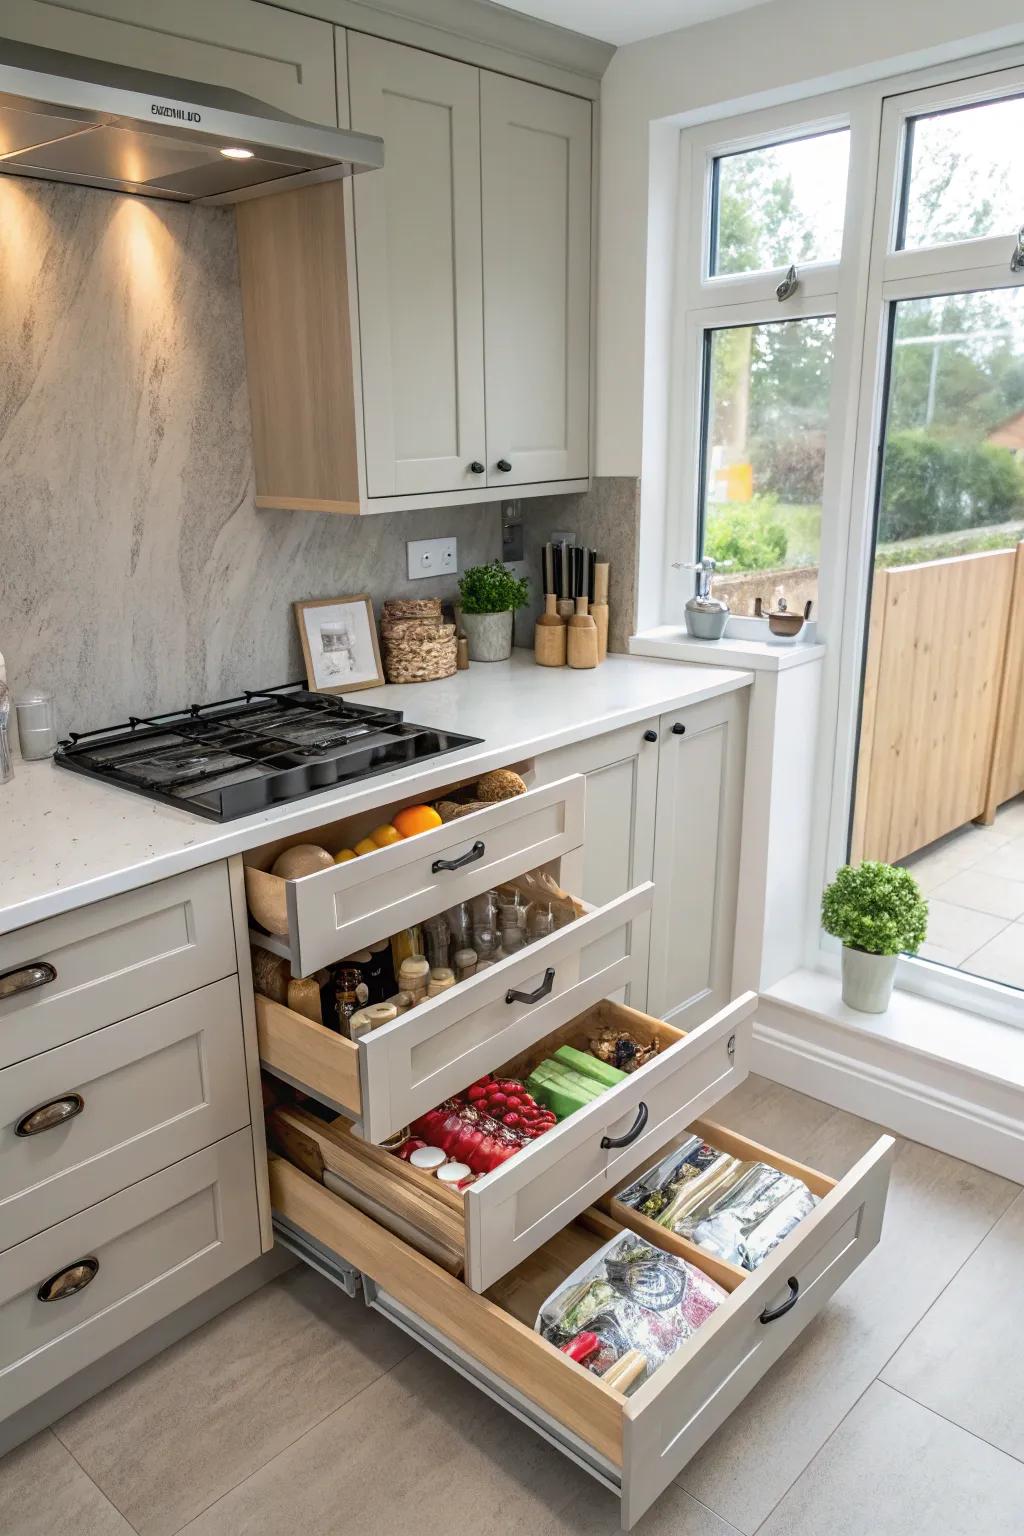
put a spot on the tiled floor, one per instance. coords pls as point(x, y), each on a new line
point(897, 1412)
point(974, 882)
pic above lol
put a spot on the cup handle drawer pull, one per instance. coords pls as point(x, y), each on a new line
point(511, 996)
point(45, 1116)
point(476, 852)
point(25, 978)
point(771, 1314)
point(68, 1282)
point(607, 1142)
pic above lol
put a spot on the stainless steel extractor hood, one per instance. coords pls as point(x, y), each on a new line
point(68, 118)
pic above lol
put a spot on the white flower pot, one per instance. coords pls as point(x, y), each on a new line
point(867, 980)
point(489, 635)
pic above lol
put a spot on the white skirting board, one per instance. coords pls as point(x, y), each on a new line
point(103, 1373)
point(921, 1093)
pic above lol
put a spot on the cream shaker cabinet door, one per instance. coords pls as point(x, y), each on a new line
point(417, 226)
point(274, 55)
point(701, 756)
point(621, 773)
point(535, 161)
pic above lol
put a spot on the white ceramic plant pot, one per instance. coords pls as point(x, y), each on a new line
point(489, 635)
point(867, 980)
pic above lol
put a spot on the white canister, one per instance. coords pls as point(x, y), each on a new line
point(37, 725)
point(867, 980)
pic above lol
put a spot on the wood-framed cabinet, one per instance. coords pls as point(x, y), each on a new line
point(463, 369)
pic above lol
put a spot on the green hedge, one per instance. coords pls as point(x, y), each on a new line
point(932, 486)
point(746, 534)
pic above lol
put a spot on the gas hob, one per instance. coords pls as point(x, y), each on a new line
point(244, 755)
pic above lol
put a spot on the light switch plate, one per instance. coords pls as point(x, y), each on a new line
point(432, 557)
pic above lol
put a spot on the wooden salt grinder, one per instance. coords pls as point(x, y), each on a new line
point(549, 636)
point(581, 640)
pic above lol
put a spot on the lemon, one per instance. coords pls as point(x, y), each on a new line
point(365, 845)
point(344, 856)
point(385, 835)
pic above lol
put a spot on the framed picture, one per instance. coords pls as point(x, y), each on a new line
point(339, 642)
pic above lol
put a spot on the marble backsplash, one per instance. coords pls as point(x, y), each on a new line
point(607, 518)
point(135, 572)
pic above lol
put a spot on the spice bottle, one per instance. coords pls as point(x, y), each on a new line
point(413, 975)
point(441, 978)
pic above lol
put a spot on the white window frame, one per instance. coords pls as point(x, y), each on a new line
point(858, 290)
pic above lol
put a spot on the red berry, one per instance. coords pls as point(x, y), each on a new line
point(476, 1093)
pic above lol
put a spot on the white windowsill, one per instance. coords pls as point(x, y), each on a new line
point(671, 642)
point(975, 1046)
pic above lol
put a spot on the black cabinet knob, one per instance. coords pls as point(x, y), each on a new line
point(476, 468)
point(504, 466)
point(650, 735)
point(679, 729)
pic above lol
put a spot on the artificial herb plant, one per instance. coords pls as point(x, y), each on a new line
point(492, 589)
point(876, 908)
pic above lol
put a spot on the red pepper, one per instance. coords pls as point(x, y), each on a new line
point(581, 1347)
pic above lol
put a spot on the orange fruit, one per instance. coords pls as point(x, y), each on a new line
point(386, 835)
point(344, 856)
point(365, 845)
point(415, 819)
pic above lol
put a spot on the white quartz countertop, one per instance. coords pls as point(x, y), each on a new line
point(67, 840)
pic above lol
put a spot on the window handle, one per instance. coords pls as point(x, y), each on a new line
point(789, 285)
point(1017, 259)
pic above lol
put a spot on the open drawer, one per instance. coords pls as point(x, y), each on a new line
point(504, 1215)
point(316, 920)
point(403, 1069)
point(634, 1445)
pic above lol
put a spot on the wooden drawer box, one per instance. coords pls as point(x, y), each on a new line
point(505, 1215)
point(153, 1247)
point(402, 1069)
point(114, 958)
point(152, 1089)
point(320, 918)
point(634, 1445)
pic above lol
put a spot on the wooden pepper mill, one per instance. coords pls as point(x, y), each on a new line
point(549, 635)
point(581, 640)
point(599, 608)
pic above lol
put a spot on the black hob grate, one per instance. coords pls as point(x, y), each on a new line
point(243, 755)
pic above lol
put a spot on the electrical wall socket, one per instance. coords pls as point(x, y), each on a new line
point(432, 557)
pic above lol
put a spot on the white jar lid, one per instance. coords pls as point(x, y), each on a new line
point(453, 1173)
point(427, 1157)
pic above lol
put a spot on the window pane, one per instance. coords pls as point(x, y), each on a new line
point(768, 395)
point(966, 174)
point(781, 204)
point(941, 716)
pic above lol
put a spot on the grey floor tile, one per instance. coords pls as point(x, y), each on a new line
point(172, 1437)
point(421, 1451)
point(1002, 959)
point(596, 1513)
point(965, 1359)
point(894, 1468)
point(44, 1492)
point(959, 930)
point(985, 893)
point(938, 1210)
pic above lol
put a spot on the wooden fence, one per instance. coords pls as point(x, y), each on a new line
point(942, 726)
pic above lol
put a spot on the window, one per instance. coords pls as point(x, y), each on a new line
point(964, 174)
point(767, 390)
point(779, 204)
point(856, 437)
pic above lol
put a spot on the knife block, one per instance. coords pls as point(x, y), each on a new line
point(581, 640)
point(549, 636)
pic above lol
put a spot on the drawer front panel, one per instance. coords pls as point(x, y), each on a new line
point(153, 1089)
point(157, 1245)
point(443, 1045)
point(337, 911)
point(512, 1211)
point(675, 1412)
point(116, 958)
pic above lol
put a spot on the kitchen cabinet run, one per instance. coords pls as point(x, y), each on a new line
point(422, 337)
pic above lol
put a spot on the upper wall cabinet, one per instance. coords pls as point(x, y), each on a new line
point(274, 55)
point(535, 161)
point(419, 272)
point(467, 264)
